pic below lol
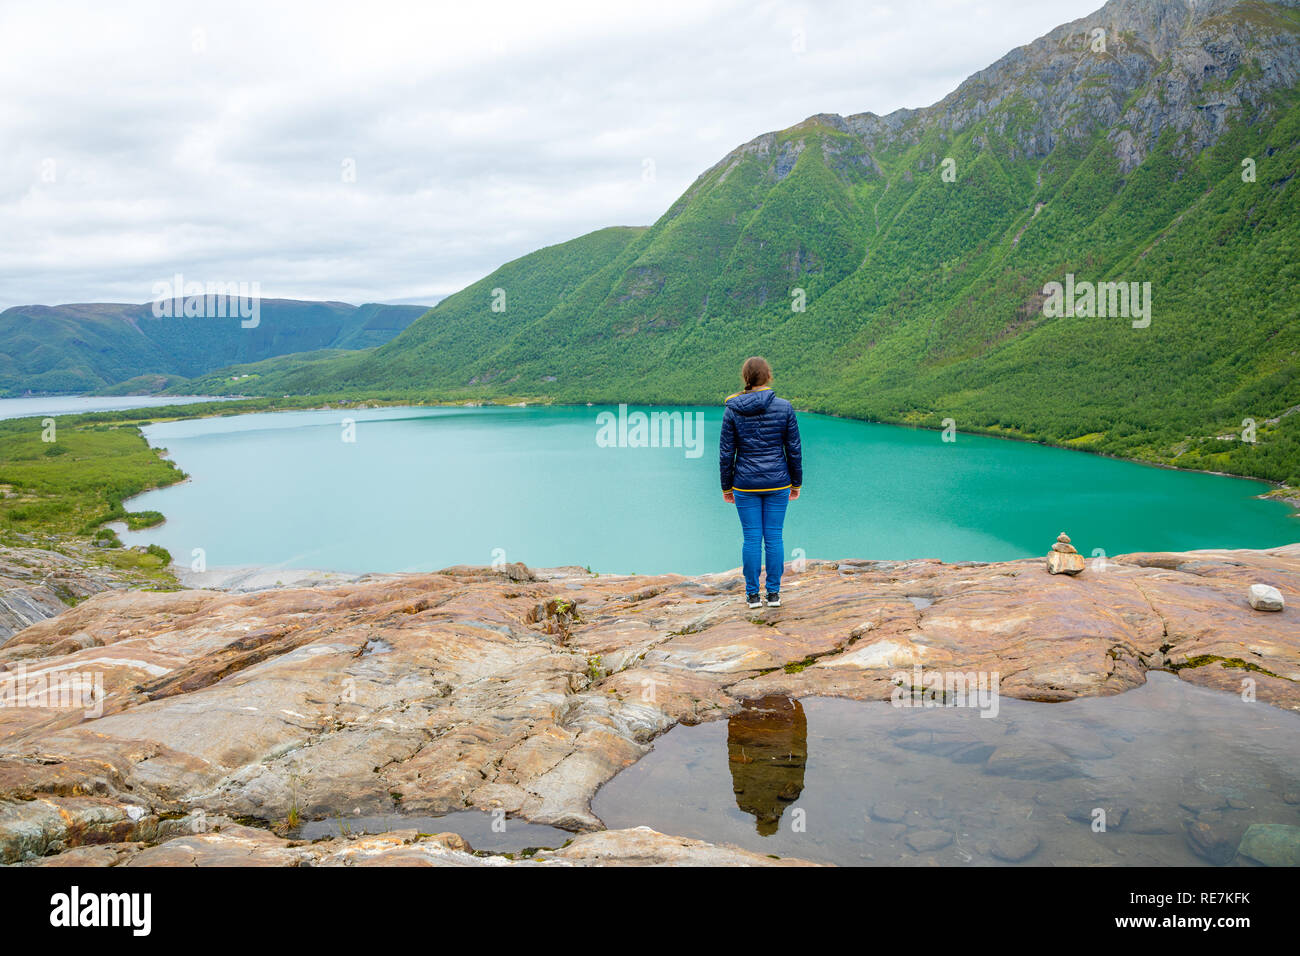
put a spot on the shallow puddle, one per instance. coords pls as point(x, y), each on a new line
point(1166, 774)
point(481, 830)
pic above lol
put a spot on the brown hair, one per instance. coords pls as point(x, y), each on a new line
point(755, 373)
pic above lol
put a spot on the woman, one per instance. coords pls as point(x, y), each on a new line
point(762, 468)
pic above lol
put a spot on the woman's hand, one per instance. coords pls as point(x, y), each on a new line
point(794, 494)
point(729, 497)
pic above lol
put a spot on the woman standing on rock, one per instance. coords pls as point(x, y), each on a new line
point(761, 462)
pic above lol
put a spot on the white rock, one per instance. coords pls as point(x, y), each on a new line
point(884, 653)
point(1264, 597)
point(136, 813)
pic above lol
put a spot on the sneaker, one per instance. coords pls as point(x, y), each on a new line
point(773, 600)
point(753, 600)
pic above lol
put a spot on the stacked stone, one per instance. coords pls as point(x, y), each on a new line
point(1064, 558)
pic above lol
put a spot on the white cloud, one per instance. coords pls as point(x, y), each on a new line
point(210, 138)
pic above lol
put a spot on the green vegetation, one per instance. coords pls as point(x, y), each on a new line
point(78, 490)
point(152, 561)
point(1227, 662)
point(61, 501)
point(139, 520)
point(147, 384)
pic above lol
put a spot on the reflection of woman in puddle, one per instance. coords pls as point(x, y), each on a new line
point(767, 748)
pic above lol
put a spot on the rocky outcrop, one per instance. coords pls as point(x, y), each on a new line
point(36, 584)
point(1138, 69)
point(254, 578)
point(424, 694)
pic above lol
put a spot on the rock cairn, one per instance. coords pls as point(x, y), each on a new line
point(1064, 558)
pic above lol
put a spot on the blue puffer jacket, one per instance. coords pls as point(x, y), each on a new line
point(759, 449)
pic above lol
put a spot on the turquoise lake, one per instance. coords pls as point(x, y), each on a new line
point(424, 488)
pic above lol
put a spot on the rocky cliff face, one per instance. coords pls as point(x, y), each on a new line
point(1137, 69)
point(424, 694)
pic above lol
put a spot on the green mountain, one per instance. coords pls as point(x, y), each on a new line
point(897, 267)
point(78, 348)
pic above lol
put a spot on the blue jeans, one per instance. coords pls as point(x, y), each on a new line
point(762, 513)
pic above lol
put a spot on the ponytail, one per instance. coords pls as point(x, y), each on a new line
point(755, 373)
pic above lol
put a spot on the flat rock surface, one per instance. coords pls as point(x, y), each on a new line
point(244, 579)
point(429, 693)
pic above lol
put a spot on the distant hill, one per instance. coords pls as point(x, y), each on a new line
point(93, 346)
point(459, 331)
point(894, 267)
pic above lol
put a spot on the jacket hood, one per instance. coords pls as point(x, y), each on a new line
point(751, 403)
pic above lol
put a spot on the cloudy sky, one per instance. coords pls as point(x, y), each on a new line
point(374, 151)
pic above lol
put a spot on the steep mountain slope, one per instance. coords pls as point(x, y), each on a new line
point(1154, 141)
point(73, 348)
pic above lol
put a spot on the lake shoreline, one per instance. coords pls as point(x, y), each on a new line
point(230, 406)
point(1290, 495)
point(1278, 490)
point(990, 500)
